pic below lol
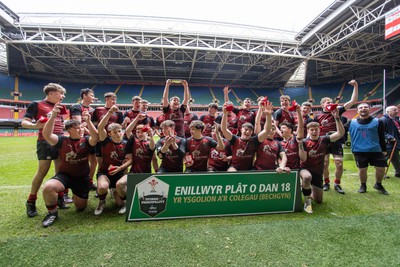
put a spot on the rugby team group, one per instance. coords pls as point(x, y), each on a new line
point(115, 142)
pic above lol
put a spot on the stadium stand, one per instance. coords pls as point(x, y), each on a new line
point(272, 94)
point(6, 86)
point(218, 93)
point(241, 94)
point(127, 91)
point(299, 94)
point(153, 93)
point(201, 95)
point(321, 91)
point(101, 89)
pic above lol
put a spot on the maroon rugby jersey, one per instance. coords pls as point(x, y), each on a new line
point(243, 116)
point(327, 121)
point(132, 114)
point(208, 121)
point(280, 116)
point(231, 122)
point(44, 108)
point(316, 151)
point(267, 155)
point(78, 109)
point(141, 155)
point(200, 149)
point(176, 116)
point(100, 112)
point(214, 160)
point(73, 155)
point(291, 148)
point(112, 153)
point(243, 152)
point(172, 159)
point(187, 120)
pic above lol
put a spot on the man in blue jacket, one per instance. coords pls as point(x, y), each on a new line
point(392, 136)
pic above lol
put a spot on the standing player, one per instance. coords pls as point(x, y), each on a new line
point(245, 146)
point(36, 115)
point(189, 117)
point(198, 147)
point(209, 119)
point(368, 146)
point(328, 124)
point(244, 114)
point(100, 112)
point(282, 115)
point(312, 152)
point(112, 167)
point(173, 110)
point(289, 142)
point(170, 149)
point(87, 98)
point(73, 171)
point(129, 115)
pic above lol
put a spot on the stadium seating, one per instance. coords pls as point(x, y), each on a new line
point(154, 93)
point(126, 92)
point(321, 91)
point(300, 94)
point(6, 86)
point(272, 94)
point(201, 95)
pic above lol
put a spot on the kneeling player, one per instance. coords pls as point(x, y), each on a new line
point(74, 168)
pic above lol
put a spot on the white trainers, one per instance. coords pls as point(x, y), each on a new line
point(122, 210)
point(100, 207)
point(67, 199)
point(307, 205)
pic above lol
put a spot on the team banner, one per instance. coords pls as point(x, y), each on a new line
point(168, 196)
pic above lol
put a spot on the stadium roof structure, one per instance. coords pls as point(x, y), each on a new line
point(345, 41)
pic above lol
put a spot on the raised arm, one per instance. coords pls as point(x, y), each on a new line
point(268, 122)
point(132, 125)
point(226, 93)
point(48, 128)
point(186, 94)
point(339, 126)
point(102, 125)
point(300, 122)
point(165, 99)
point(354, 96)
point(257, 123)
point(302, 152)
point(220, 145)
point(94, 137)
point(224, 124)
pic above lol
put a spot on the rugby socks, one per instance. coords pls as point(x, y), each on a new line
point(32, 198)
point(327, 181)
point(337, 181)
point(52, 208)
point(306, 192)
point(103, 196)
point(60, 194)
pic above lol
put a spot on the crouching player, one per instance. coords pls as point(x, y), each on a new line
point(113, 166)
point(139, 151)
point(74, 168)
point(312, 154)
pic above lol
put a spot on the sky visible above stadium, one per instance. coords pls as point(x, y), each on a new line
point(291, 15)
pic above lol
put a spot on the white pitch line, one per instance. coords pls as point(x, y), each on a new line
point(14, 186)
